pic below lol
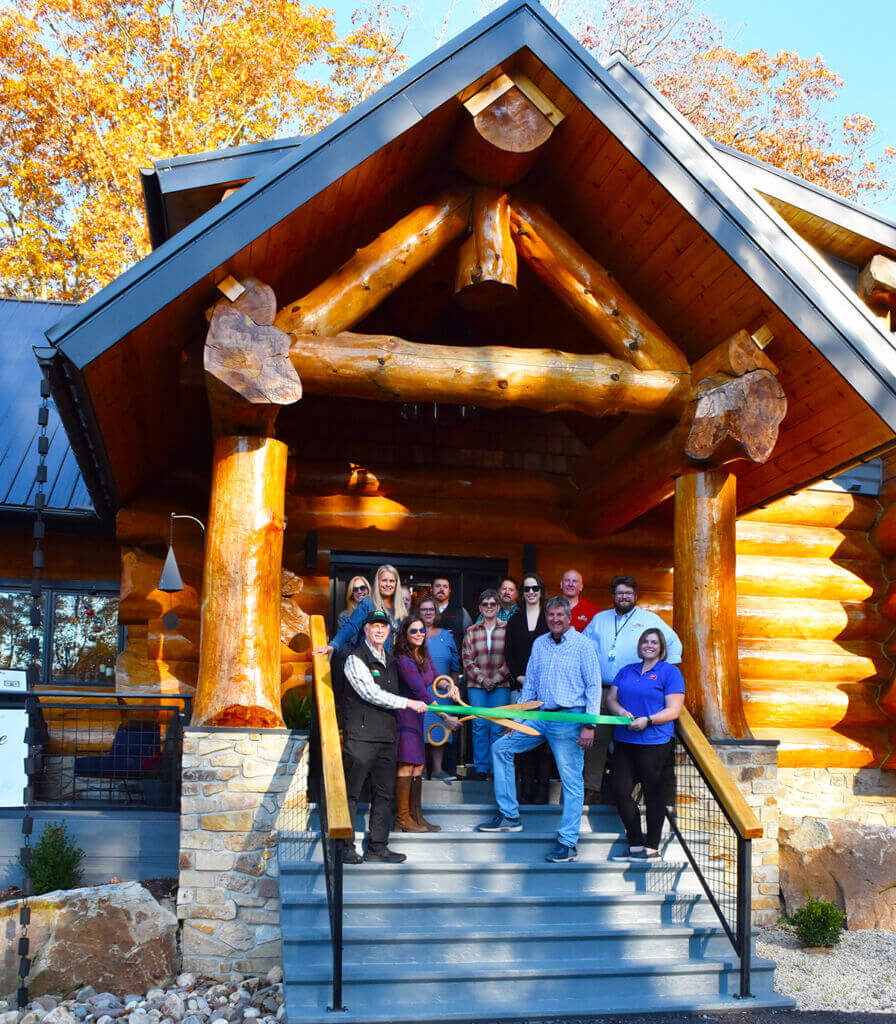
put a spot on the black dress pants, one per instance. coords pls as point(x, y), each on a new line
point(363, 760)
point(650, 764)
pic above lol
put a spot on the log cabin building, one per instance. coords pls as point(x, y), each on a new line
point(512, 312)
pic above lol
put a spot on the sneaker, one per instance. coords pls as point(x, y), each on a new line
point(562, 854)
point(383, 855)
point(350, 855)
point(630, 856)
point(477, 776)
point(652, 857)
point(443, 777)
point(501, 824)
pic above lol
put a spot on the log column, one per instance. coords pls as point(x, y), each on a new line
point(705, 600)
point(239, 663)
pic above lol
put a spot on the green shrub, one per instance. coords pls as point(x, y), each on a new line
point(296, 710)
point(55, 860)
point(818, 923)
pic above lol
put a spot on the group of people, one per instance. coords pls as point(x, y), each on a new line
point(562, 652)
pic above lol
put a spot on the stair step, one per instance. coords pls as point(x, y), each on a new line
point(490, 991)
point(556, 943)
point(428, 912)
point(511, 876)
point(469, 815)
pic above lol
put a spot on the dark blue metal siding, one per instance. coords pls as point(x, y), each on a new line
point(22, 325)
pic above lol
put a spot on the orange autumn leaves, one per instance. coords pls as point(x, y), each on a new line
point(92, 90)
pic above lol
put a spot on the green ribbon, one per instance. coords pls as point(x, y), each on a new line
point(538, 716)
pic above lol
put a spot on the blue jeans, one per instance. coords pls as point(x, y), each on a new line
point(485, 732)
point(562, 737)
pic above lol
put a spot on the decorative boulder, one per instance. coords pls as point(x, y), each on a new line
point(845, 862)
point(115, 937)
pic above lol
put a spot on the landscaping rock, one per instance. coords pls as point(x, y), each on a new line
point(61, 1015)
point(109, 936)
point(850, 864)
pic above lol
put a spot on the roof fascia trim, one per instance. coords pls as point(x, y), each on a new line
point(189, 255)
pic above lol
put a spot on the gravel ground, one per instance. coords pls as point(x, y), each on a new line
point(857, 975)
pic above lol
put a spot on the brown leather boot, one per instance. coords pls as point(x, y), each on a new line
point(404, 819)
point(416, 800)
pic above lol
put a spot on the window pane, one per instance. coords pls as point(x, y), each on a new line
point(85, 637)
point(15, 629)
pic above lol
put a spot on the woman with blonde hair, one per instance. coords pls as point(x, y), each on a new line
point(358, 588)
point(386, 598)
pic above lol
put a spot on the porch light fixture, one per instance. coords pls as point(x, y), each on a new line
point(170, 581)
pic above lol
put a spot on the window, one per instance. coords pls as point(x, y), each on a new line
point(81, 635)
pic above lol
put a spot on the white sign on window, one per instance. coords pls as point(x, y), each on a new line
point(13, 751)
point(12, 680)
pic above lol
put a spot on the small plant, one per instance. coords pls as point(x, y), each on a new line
point(55, 860)
point(818, 923)
point(296, 711)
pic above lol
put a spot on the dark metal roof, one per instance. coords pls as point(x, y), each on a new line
point(665, 144)
point(22, 326)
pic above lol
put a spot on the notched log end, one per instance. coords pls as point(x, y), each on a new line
point(739, 416)
point(251, 360)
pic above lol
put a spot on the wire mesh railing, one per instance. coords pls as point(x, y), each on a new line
point(99, 750)
point(714, 840)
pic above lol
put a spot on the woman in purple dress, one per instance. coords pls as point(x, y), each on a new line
point(416, 673)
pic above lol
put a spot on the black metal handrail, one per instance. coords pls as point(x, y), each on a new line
point(715, 827)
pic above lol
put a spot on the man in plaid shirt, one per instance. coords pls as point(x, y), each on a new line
point(487, 676)
point(564, 674)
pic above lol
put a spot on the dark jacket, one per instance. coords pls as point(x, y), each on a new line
point(366, 721)
point(518, 643)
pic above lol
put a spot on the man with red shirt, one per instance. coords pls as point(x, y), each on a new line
point(583, 611)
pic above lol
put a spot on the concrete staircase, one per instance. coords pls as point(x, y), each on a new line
point(480, 927)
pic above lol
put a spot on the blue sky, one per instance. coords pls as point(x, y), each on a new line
point(851, 45)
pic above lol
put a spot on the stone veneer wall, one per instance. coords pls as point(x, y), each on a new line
point(867, 795)
point(754, 767)
point(240, 787)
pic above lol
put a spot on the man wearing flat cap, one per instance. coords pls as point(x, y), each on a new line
point(371, 700)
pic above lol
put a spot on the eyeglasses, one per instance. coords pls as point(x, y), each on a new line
point(624, 593)
point(415, 629)
point(489, 604)
point(359, 590)
point(531, 590)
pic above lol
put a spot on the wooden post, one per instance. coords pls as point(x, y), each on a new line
point(239, 660)
point(486, 270)
point(705, 600)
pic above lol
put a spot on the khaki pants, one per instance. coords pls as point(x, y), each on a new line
point(596, 754)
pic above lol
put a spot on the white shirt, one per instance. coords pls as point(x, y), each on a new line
point(616, 637)
point(488, 638)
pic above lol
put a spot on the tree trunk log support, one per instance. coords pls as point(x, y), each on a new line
point(735, 418)
point(486, 270)
point(705, 601)
point(505, 132)
point(391, 369)
point(876, 287)
point(375, 271)
point(736, 356)
point(591, 292)
point(239, 658)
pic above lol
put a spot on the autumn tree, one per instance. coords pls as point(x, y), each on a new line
point(770, 106)
point(91, 90)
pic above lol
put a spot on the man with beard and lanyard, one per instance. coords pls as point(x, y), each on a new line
point(615, 634)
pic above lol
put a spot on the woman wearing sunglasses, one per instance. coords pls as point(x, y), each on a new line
point(385, 597)
point(358, 588)
point(416, 674)
point(535, 766)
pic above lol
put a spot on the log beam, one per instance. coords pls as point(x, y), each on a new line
point(876, 285)
point(592, 293)
point(736, 356)
point(375, 271)
point(239, 657)
point(506, 129)
point(391, 369)
point(705, 601)
point(733, 418)
point(487, 266)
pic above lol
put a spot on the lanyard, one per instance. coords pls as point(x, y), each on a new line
point(620, 628)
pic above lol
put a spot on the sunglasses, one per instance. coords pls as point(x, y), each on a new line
point(489, 604)
point(358, 590)
point(415, 629)
point(531, 590)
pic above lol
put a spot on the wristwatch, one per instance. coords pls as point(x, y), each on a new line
point(649, 720)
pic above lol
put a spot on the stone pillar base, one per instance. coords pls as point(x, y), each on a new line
point(237, 785)
point(754, 766)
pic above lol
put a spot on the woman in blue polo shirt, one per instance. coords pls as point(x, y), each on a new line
point(651, 694)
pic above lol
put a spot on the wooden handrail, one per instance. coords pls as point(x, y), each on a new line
point(338, 824)
point(745, 821)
